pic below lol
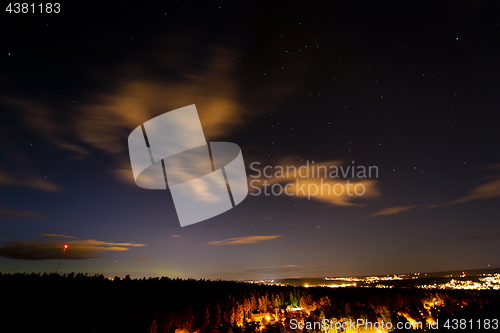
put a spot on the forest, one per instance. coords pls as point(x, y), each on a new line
point(83, 303)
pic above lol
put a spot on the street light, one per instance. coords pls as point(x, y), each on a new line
point(62, 255)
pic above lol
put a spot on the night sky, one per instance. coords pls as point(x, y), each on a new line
point(409, 87)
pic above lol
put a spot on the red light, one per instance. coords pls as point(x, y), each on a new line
point(65, 246)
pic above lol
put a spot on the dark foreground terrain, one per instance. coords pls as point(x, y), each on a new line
point(81, 303)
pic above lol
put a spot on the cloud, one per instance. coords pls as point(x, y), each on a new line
point(243, 240)
point(57, 236)
point(77, 249)
point(141, 258)
point(329, 181)
point(486, 237)
point(24, 213)
point(305, 247)
point(25, 179)
point(339, 193)
point(392, 210)
point(104, 121)
point(132, 92)
point(17, 168)
point(488, 190)
point(142, 97)
point(47, 122)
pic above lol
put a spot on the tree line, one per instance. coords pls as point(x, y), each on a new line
point(92, 303)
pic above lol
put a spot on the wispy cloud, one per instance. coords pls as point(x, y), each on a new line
point(141, 258)
point(490, 189)
point(77, 249)
point(27, 179)
point(15, 214)
point(19, 170)
point(44, 121)
point(132, 92)
point(243, 240)
point(392, 210)
point(305, 247)
point(106, 120)
point(486, 237)
point(103, 121)
point(58, 236)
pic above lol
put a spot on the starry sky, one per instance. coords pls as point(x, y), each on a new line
point(408, 87)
